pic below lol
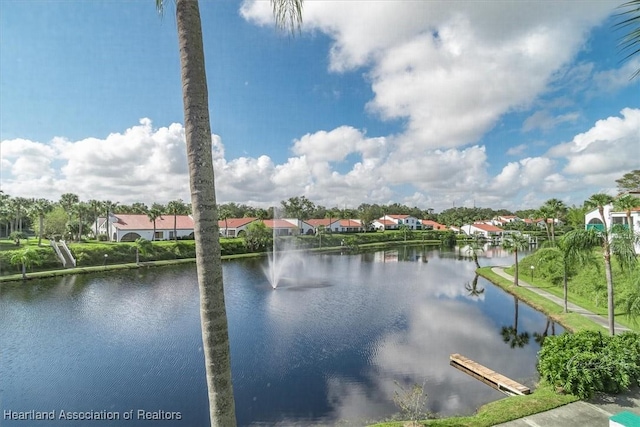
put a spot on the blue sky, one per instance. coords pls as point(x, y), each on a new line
point(430, 104)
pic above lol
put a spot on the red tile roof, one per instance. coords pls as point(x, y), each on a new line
point(278, 223)
point(435, 225)
point(142, 222)
point(487, 227)
point(385, 222)
point(235, 222)
point(316, 222)
point(349, 223)
point(399, 216)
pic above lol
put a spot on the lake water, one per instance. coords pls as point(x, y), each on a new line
point(330, 346)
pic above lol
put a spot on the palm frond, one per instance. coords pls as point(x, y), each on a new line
point(288, 14)
point(631, 40)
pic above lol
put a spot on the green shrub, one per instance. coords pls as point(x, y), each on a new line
point(586, 362)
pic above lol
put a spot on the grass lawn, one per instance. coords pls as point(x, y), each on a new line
point(501, 411)
point(583, 302)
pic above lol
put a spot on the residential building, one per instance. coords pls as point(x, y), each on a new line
point(487, 231)
point(350, 226)
point(234, 227)
point(329, 224)
point(428, 224)
point(129, 227)
point(393, 222)
point(280, 227)
point(612, 217)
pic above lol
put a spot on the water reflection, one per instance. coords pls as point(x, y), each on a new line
point(327, 348)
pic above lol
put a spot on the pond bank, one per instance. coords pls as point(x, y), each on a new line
point(157, 263)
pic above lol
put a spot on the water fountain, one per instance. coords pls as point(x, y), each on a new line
point(285, 262)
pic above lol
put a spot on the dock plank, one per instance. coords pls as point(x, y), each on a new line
point(488, 376)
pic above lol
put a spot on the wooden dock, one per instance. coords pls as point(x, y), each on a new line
point(487, 376)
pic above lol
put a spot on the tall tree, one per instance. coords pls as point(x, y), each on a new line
point(67, 201)
point(575, 216)
point(20, 208)
point(557, 208)
point(82, 211)
point(95, 206)
point(573, 248)
point(153, 214)
point(139, 208)
point(599, 201)
point(630, 181)
point(175, 208)
point(223, 215)
point(197, 125)
point(626, 203)
point(514, 243)
point(109, 208)
point(41, 207)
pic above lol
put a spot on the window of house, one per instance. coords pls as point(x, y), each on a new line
point(159, 235)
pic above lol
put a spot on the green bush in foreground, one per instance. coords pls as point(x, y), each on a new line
point(586, 362)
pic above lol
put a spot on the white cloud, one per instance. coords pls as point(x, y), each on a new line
point(611, 146)
point(447, 68)
point(444, 69)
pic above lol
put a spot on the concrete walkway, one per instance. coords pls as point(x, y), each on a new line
point(571, 306)
point(594, 412)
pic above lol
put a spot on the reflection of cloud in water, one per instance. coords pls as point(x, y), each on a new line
point(421, 353)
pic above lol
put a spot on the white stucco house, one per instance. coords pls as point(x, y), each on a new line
point(393, 222)
point(350, 226)
point(329, 224)
point(612, 217)
point(129, 227)
point(487, 231)
point(234, 227)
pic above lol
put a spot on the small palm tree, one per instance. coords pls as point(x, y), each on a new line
point(26, 258)
point(626, 203)
point(143, 246)
point(514, 243)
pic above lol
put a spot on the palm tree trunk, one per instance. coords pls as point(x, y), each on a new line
point(610, 299)
point(175, 226)
point(565, 285)
point(41, 222)
point(79, 227)
point(213, 317)
point(515, 273)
